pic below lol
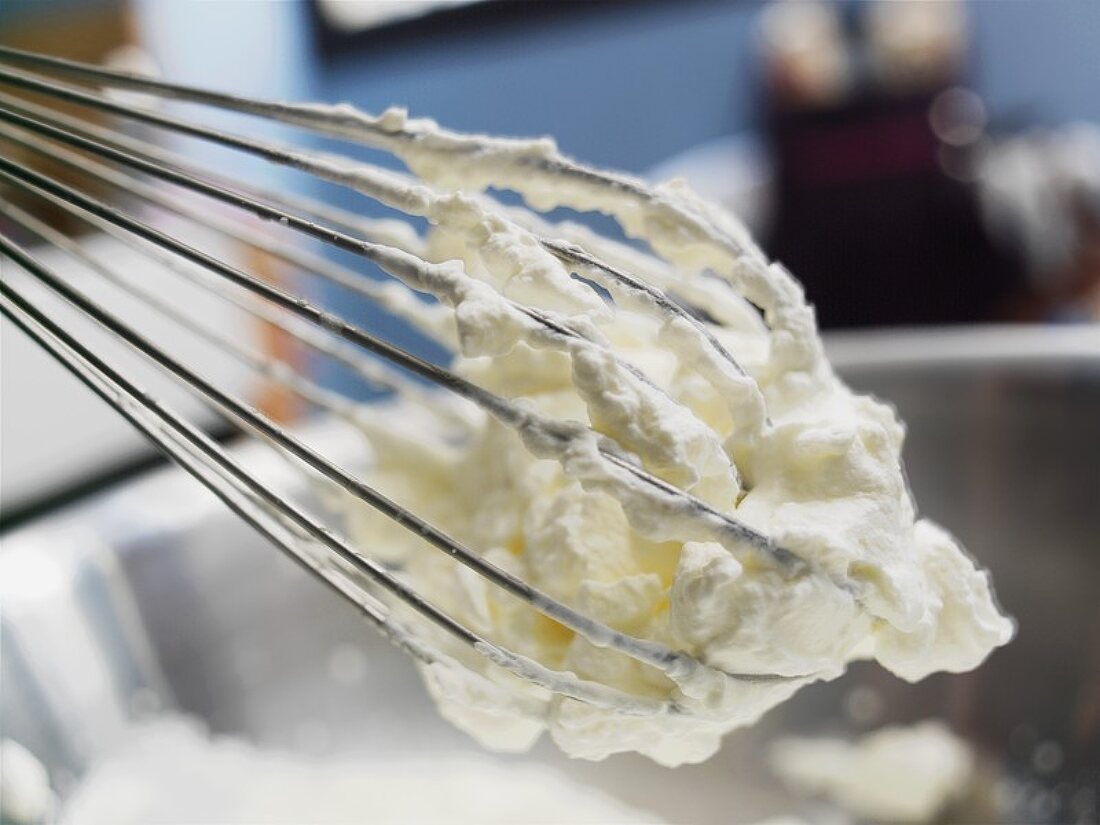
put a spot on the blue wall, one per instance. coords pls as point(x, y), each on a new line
point(250, 48)
point(1039, 59)
point(629, 88)
point(624, 88)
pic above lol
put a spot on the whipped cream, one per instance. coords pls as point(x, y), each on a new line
point(896, 774)
point(25, 795)
point(656, 441)
point(171, 771)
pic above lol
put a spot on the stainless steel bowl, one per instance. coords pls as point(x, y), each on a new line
point(150, 596)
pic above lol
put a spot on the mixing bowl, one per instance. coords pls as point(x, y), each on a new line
point(150, 596)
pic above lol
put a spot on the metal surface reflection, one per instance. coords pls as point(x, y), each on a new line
point(151, 597)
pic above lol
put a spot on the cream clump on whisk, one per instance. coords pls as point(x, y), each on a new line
point(789, 545)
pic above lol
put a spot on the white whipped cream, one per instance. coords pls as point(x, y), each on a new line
point(779, 541)
point(897, 774)
point(25, 795)
point(170, 771)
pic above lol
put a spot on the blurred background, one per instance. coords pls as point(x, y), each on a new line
point(913, 163)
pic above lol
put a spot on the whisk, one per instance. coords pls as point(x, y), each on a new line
point(126, 164)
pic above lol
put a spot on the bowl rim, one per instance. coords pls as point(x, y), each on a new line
point(967, 346)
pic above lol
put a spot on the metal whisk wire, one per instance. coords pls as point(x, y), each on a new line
point(373, 252)
point(287, 525)
point(186, 445)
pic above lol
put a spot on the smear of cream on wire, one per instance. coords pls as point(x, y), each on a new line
point(730, 401)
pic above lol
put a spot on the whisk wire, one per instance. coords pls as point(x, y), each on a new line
point(493, 404)
point(357, 176)
point(306, 261)
point(267, 367)
point(381, 230)
point(45, 131)
point(125, 398)
point(375, 572)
